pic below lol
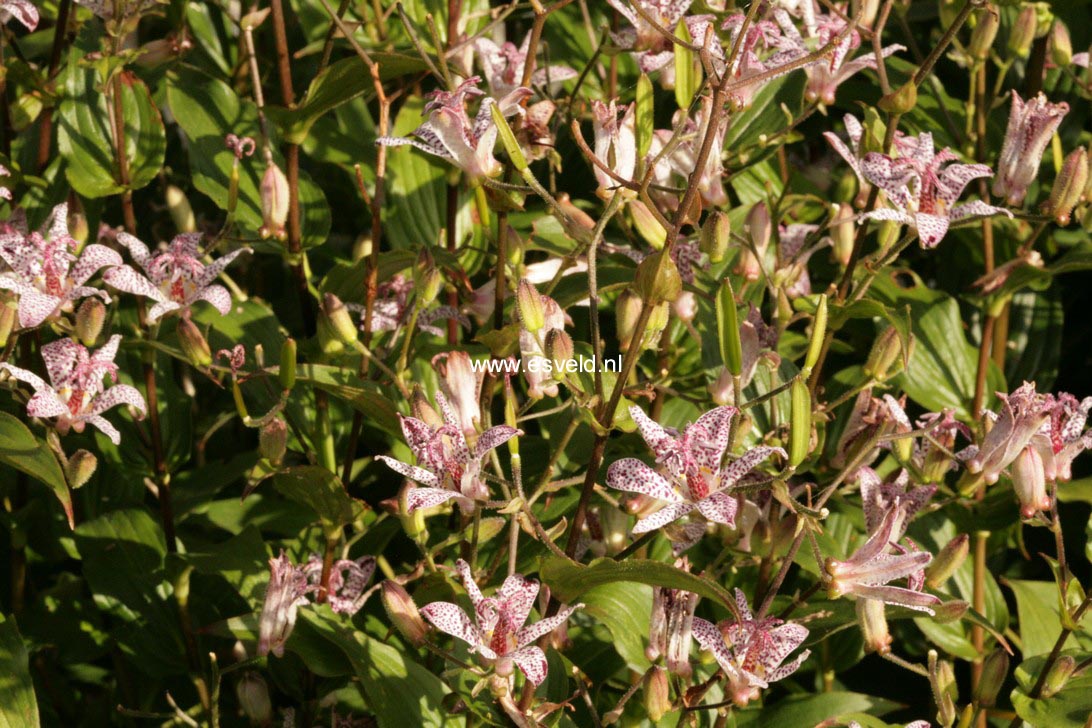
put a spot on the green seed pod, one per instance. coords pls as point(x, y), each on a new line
point(995, 668)
point(627, 309)
point(948, 561)
point(800, 427)
point(716, 236)
point(287, 373)
point(818, 334)
point(731, 346)
point(884, 355)
point(658, 279)
point(1059, 675)
point(873, 624)
point(644, 117)
point(253, 695)
point(950, 611)
point(532, 311)
point(508, 139)
point(902, 100)
point(657, 694)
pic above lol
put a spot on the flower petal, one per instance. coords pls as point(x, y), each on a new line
point(662, 517)
point(633, 476)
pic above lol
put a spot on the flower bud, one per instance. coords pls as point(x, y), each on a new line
point(1058, 675)
point(995, 668)
point(658, 279)
point(868, 10)
point(194, 345)
point(800, 427)
point(1029, 482)
point(79, 469)
point(181, 211)
point(627, 310)
point(656, 693)
point(273, 440)
point(412, 523)
point(902, 100)
point(1023, 31)
point(759, 226)
point(873, 623)
point(273, 195)
point(647, 225)
point(7, 317)
point(1061, 47)
point(90, 317)
point(985, 32)
point(731, 344)
point(948, 561)
point(530, 306)
point(423, 410)
point(945, 690)
point(950, 611)
point(818, 336)
point(716, 236)
point(722, 389)
point(559, 349)
point(403, 613)
point(339, 319)
point(843, 232)
point(287, 373)
point(253, 695)
point(1069, 186)
point(427, 279)
point(885, 354)
point(685, 306)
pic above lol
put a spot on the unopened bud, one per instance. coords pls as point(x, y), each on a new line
point(78, 229)
point(8, 312)
point(90, 317)
point(647, 225)
point(423, 410)
point(901, 100)
point(842, 233)
point(1023, 31)
point(657, 322)
point(759, 226)
point(339, 319)
point(403, 613)
point(273, 440)
point(800, 427)
point(1061, 47)
point(950, 611)
point(995, 668)
point(945, 690)
point(627, 311)
point(559, 349)
point(181, 211)
point(722, 390)
point(1069, 186)
point(818, 336)
point(273, 195)
point(193, 342)
point(985, 33)
point(658, 279)
point(731, 345)
point(886, 353)
point(530, 306)
point(1058, 675)
point(412, 523)
point(873, 623)
point(253, 695)
point(1029, 482)
point(79, 469)
point(656, 693)
point(427, 279)
point(716, 236)
point(287, 373)
point(948, 561)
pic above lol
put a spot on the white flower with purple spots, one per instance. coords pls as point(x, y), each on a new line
point(496, 631)
point(175, 278)
point(22, 10)
point(46, 274)
point(690, 476)
point(1031, 125)
point(76, 395)
point(448, 466)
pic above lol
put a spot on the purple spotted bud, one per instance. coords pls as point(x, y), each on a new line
point(194, 344)
point(90, 317)
point(403, 613)
point(1068, 189)
point(873, 623)
point(995, 668)
point(948, 561)
point(273, 195)
point(1029, 482)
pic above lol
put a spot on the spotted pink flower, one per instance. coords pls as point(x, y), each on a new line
point(868, 573)
point(5, 193)
point(76, 395)
point(462, 385)
point(923, 188)
point(878, 497)
point(286, 593)
point(1062, 437)
point(767, 49)
point(175, 278)
point(45, 273)
point(752, 651)
point(825, 77)
point(451, 134)
point(504, 65)
point(671, 625)
point(22, 10)
point(690, 475)
point(348, 578)
point(496, 631)
point(448, 467)
point(1023, 413)
point(615, 144)
point(1031, 125)
point(651, 49)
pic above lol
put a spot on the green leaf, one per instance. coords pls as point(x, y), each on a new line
point(1069, 708)
point(765, 116)
point(569, 580)
point(812, 710)
point(18, 706)
point(1040, 619)
point(416, 187)
point(1035, 339)
point(321, 491)
point(366, 397)
point(625, 610)
point(85, 134)
point(400, 692)
point(21, 450)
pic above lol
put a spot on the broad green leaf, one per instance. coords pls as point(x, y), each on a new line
point(416, 187)
point(18, 706)
point(1037, 609)
point(812, 710)
point(241, 560)
point(86, 137)
point(569, 580)
point(1035, 339)
point(321, 491)
point(400, 692)
point(1069, 708)
point(366, 397)
point(625, 610)
point(765, 116)
point(20, 449)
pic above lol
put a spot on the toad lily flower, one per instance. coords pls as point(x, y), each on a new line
point(825, 77)
point(779, 36)
point(448, 467)
point(671, 625)
point(462, 385)
point(496, 631)
point(691, 463)
point(615, 145)
point(450, 133)
point(924, 187)
point(175, 278)
point(1022, 414)
point(1062, 436)
point(76, 395)
point(286, 593)
point(348, 579)
point(22, 10)
point(752, 652)
point(47, 277)
point(878, 498)
point(868, 572)
point(1031, 125)
point(505, 64)
point(651, 49)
